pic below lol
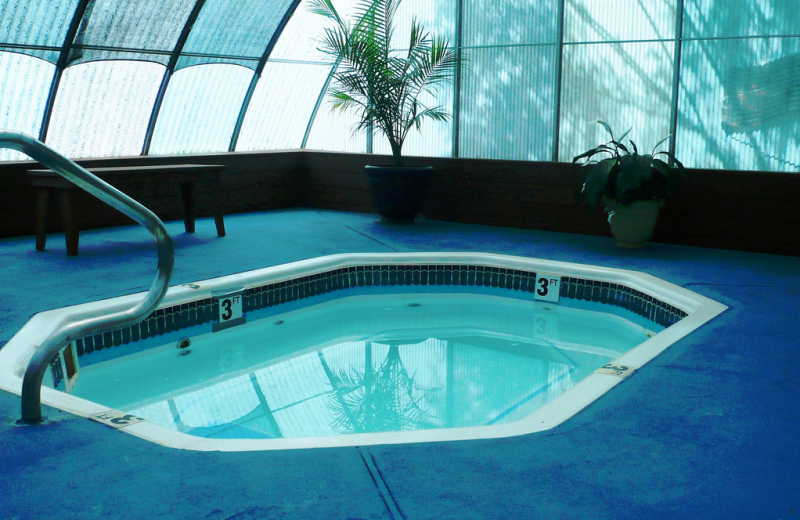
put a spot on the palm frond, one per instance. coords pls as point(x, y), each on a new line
point(386, 83)
point(325, 8)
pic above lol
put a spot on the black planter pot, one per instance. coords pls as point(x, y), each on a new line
point(399, 191)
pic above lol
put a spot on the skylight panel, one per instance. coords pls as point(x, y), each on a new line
point(130, 26)
point(24, 82)
point(281, 106)
point(200, 109)
point(233, 30)
point(36, 23)
point(103, 107)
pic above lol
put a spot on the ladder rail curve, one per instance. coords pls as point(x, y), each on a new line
point(74, 327)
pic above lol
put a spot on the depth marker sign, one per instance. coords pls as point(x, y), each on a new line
point(611, 369)
point(116, 419)
point(230, 309)
point(547, 287)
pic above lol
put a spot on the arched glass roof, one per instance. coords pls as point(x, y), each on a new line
point(97, 78)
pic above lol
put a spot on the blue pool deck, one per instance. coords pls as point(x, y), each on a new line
point(708, 429)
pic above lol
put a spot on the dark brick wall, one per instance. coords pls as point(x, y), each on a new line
point(748, 211)
point(740, 210)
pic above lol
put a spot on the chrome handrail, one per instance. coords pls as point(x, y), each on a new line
point(74, 328)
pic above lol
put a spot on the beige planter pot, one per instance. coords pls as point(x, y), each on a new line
point(632, 225)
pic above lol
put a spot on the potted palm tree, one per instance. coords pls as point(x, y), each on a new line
point(633, 187)
point(384, 86)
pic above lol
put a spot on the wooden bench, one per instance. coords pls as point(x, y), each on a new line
point(47, 182)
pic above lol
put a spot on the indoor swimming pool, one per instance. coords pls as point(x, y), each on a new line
point(367, 349)
point(366, 364)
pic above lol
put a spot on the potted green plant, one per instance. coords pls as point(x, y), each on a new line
point(633, 187)
point(384, 86)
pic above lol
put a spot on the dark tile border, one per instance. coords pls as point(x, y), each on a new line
point(621, 296)
point(204, 311)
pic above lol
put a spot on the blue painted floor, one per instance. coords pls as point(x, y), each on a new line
point(709, 429)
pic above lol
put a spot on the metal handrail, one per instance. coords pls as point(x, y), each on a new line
point(77, 327)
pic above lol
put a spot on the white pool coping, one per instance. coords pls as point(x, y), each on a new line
point(14, 357)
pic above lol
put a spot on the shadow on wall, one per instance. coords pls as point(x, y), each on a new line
point(728, 114)
point(762, 96)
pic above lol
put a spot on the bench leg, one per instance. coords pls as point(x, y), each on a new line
point(70, 221)
point(187, 202)
point(214, 185)
point(220, 225)
point(42, 209)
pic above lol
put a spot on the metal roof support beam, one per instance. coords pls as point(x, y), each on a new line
point(173, 61)
point(61, 64)
point(559, 75)
point(259, 69)
point(242, 111)
point(320, 98)
point(457, 86)
point(676, 77)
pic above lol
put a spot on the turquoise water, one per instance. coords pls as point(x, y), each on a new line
point(366, 364)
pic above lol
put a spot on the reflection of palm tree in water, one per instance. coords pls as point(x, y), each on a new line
point(386, 399)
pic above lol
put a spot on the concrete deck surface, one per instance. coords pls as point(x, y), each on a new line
point(709, 429)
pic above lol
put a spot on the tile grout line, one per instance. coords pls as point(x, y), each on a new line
point(383, 489)
point(357, 231)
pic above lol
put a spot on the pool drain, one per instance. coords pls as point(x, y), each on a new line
point(414, 304)
point(184, 342)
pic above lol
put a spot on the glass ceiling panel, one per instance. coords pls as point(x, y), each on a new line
point(298, 41)
point(740, 104)
point(281, 106)
point(200, 109)
point(24, 82)
point(45, 54)
point(489, 22)
point(86, 55)
point(715, 19)
point(191, 61)
point(333, 131)
point(131, 25)
point(438, 18)
point(619, 20)
point(242, 29)
point(509, 103)
point(36, 22)
point(103, 107)
point(641, 101)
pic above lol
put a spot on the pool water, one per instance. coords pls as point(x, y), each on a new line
point(367, 363)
